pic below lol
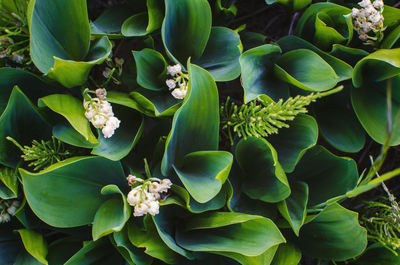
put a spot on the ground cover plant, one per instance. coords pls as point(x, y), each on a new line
point(199, 132)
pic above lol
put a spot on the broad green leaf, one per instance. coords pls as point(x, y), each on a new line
point(10, 246)
point(24, 258)
point(377, 254)
point(251, 40)
point(131, 254)
point(391, 40)
point(156, 103)
point(257, 73)
point(195, 126)
point(377, 66)
point(72, 109)
point(333, 234)
point(306, 70)
point(294, 208)
point(60, 45)
point(334, 111)
point(264, 178)
point(35, 244)
point(112, 214)
point(204, 172)
point(62, 249)
point(124, 138)
point(8, 183)
point(99, 252)
point(325, 36)
point(262, 259)
point(287, 254)
point(32, 86)
point(64, 132)
point(348, 54)
point(67, 194)
point(151, 241)
point(221, 55)
point(370, 105)
point(231, 234)
point(327, 175)
point(186, 22)
point(291, 143)
point(21, 121)
point(342, 69)
point(151, 69)
point(224, 11)
point(144, 23)
point(295, 5)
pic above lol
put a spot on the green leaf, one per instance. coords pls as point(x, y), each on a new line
point(131, 254)
point(306, 70)
point(287, 254)
point(294, 208)
point(8, 184)
point(149, 239)
point(72, 109)
point(99, 252)
point(331, 113)
point(32, 86)
point(327, 175)
point(151, 69)
point(370, 105)
point(125, 137)
point(295, 5)
point(221, 55)
point(186, 22)
point(21, 121)
point(291, 143)
point(62, 249)
point(333, 234)
point(35, 244)
point(391, 40)
point(377, 66)
point(155, 103)
point(10, 246)
point(195, 126)
point(64, 132)
point(204, 172)
point(342, 69)
point(257, 73)
point(264, 177)
point(112, 214)
point(67, 194)
point(229, 234)
point(144, 23)
point(377, 254)
point(60, 46)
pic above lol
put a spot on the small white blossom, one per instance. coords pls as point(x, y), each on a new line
point(179, 93)
point(364, 3)
point(133, 179)
point(119, 61)
point(174, 69)
point(153, 207)
point(18, 58)
point(369, 18)
point(378, 4)
point(140, 209)
point(101, 93)
point(7, 209)
point(171, 83)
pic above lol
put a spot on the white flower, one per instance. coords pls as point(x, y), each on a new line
point(113, 122)
point(378, 4)
point(18, 58)
point(153, 207)
point(105, 108)
point(5, 218)
point(166, 184)
point(107, 72)
point(364, 3)
point(171, 83)
point(98, 121)
point(101, 93)
point(174, 69)
point(355, 12)
point(375, 18)
point(133, 179)
point(140, 209)
point(14, 207)
point(179, 93)
point(155, 187)
point(108, 131)
point(134, 196)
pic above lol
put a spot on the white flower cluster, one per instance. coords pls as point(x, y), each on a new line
point(99, 112)
point(369, 18)
point(8, 209)
point(179, 83)
point(145, 198)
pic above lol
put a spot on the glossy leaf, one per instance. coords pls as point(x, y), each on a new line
point(264, 177)
point(8, 184)
point(342, 69)
point(72, 109)
point(151, 69)
point(291, 143)
point(287, 254)
point(60, 46)
point(221, 55)
point(377, 66)
point(64, 132)
point(112, 214)
point(186, 22)
point(66, 194)
point(376, 254)
point(62, 249)
point(294, 208)
point(370, 105)
point(333, 234)
point(204, 172)
point(10, 246)
point(125, 137)
point(295, 5)
point(327, 175)
point(35, 244)
point(21, 121)
point(230, 234)
point(306, 70)
point(257, 73)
